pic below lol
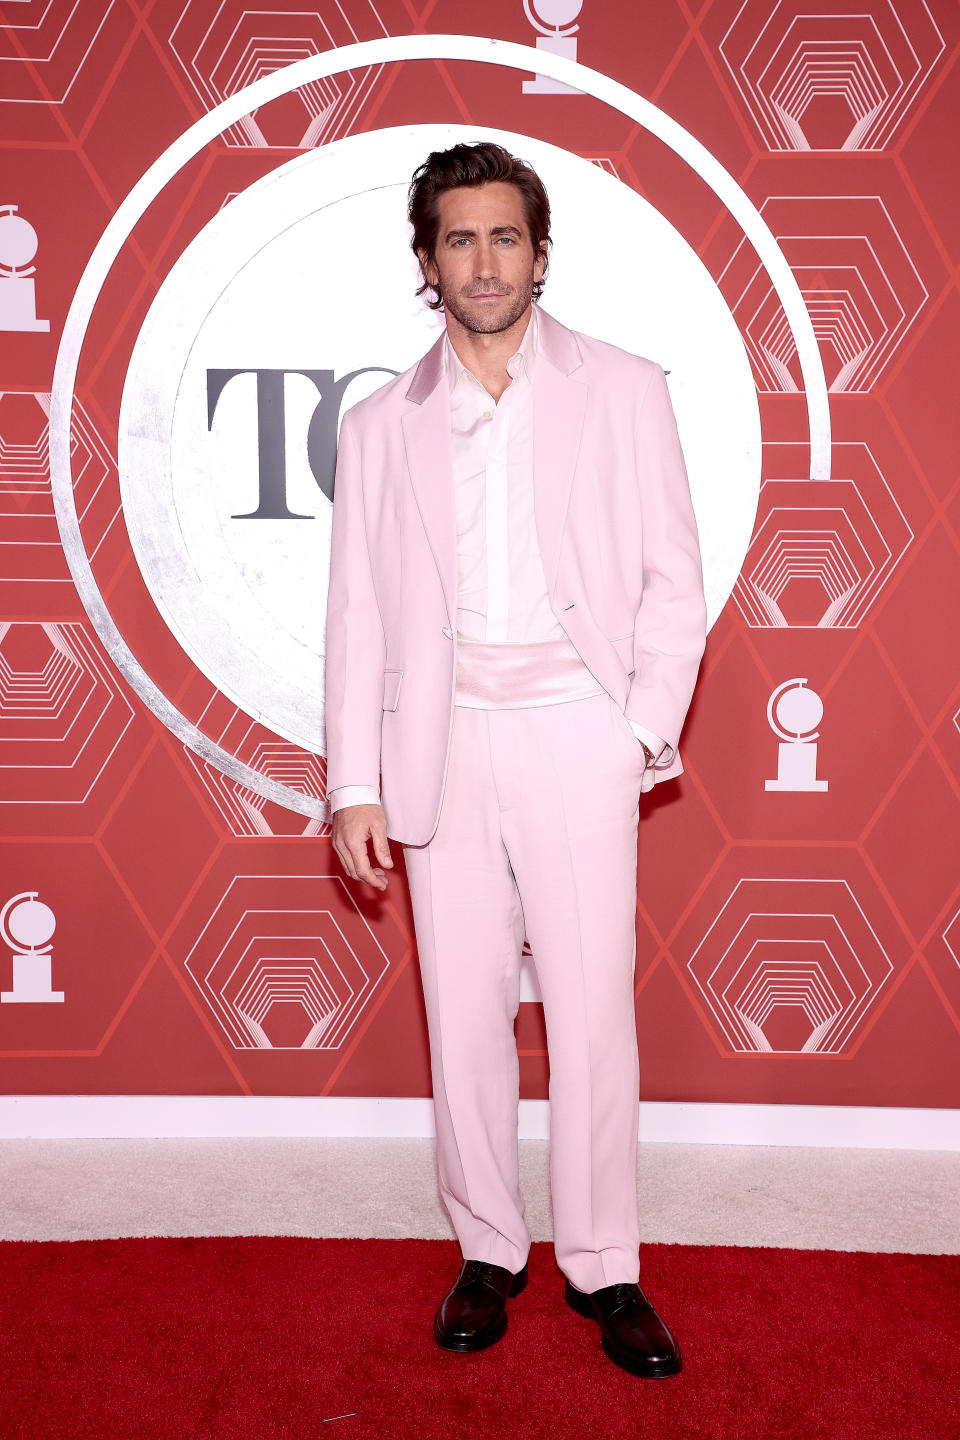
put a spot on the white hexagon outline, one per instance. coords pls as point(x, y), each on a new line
point(223, 1010)
point(876, 126)
point(69, 636)
point(470, 48)
point(707, 990)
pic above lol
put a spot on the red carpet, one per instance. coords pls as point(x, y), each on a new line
point(272, 1337)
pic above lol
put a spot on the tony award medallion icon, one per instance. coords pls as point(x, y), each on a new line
point(18, 294)
point(793, 713)
point(27, 926)
point(558, 35)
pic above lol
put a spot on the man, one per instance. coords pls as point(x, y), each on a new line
point(515, 623)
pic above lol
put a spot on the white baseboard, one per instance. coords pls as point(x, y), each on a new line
point(49, 1117)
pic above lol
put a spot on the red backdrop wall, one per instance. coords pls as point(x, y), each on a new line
point(792, 946)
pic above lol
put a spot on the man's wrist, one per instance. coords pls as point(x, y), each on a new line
point(652, 742)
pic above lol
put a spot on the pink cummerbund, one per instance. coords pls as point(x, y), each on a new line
point(510, 674)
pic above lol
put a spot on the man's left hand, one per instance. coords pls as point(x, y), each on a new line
point(646, 780)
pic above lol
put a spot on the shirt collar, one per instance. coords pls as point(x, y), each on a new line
point(520, 362)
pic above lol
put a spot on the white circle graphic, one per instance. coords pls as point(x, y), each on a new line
point(270, 287)
point(280, 82)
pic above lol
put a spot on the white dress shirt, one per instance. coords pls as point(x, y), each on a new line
point(502, 592)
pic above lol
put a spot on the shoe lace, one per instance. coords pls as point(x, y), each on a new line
point(629, 1296)
point(480, 1272)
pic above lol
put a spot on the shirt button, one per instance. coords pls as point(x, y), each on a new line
point(488, 414)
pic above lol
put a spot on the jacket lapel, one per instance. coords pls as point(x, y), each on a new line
point(559, 406)
point(426, 440)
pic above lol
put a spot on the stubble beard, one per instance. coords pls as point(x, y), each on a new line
point(483, 322)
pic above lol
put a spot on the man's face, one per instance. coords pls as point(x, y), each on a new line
point(484, 262)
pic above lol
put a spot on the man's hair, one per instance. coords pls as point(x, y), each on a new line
point(479, 164)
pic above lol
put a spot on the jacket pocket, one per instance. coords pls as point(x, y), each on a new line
point(391, 688)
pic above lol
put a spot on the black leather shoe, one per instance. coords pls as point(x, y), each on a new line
point(474, 1314)
point(631, 1331)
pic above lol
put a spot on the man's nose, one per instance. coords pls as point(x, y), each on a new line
point(486, 261)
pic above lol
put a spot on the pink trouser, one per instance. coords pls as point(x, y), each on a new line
point(537, 834)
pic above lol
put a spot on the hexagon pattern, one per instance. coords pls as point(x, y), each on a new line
point(812, 77)
point(224, 47)
point(825, 564)
point(62, 713)
point(791, 966)
point(45, 44)
point(269, 948)
point(207, 938)
point(243, 811)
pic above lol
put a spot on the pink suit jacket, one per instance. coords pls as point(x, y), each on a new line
point(617, 536)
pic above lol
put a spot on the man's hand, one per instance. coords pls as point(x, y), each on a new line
point(352, 827)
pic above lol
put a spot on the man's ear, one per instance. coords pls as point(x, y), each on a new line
point(430, 272)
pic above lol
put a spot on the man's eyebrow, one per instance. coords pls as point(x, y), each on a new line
point(494, 230)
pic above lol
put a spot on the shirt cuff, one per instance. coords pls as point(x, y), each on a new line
point(353, 795)
point(654, 744)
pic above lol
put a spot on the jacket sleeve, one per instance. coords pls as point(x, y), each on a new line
point(670, 631)
point(354, 644)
